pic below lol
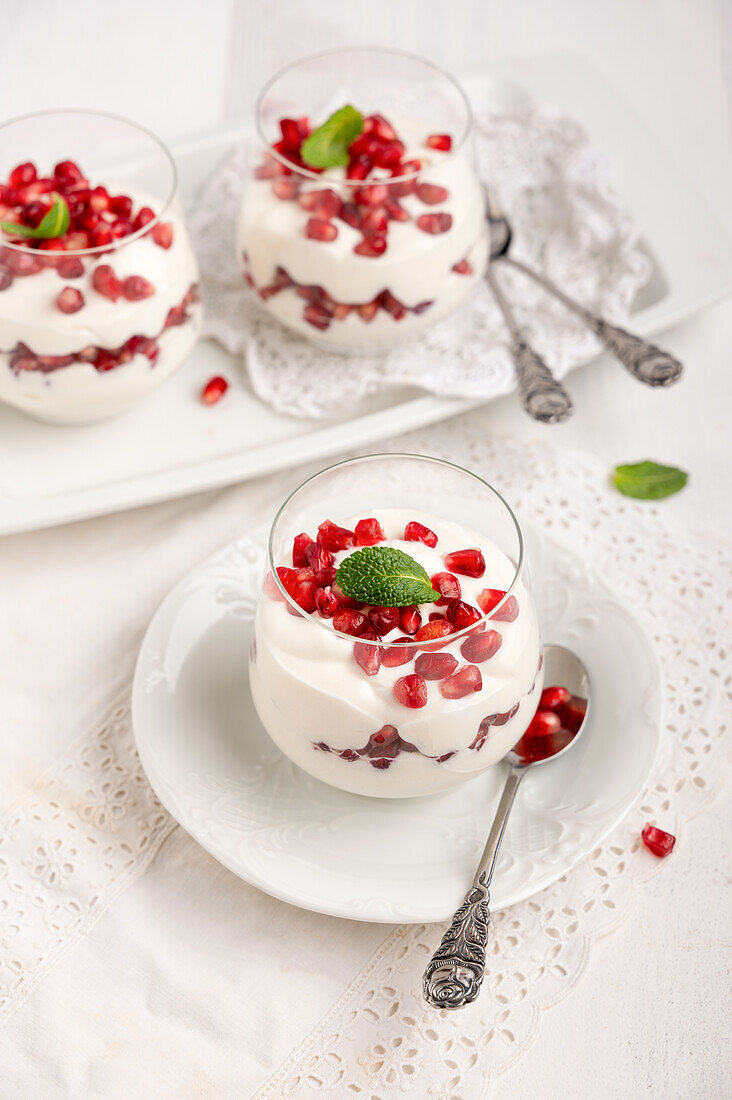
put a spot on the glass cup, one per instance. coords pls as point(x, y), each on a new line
point(358, 258)
point(406, 701)
point(93, 319)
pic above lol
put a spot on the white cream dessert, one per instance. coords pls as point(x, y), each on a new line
point(413, 699)
point(364, 255)
point(83, 336)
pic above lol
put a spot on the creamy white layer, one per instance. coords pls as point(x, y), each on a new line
point(308, 688)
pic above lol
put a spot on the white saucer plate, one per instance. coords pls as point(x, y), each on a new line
point(396, 860)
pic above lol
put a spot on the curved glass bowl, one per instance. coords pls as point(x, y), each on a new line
point(362, 257)
point(400, 713)
point(94, 319)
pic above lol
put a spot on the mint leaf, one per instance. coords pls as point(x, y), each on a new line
point(648, 480)
point(54, 223)
point(385, 576)
point(327, 147)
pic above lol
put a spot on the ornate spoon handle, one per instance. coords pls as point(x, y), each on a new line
point(643, 360)
point(543, 397)
point(455, 972)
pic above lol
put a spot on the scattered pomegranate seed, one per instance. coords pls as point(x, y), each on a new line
point(384, 619)
point(22, 175)
point(431, 193)
point(543, 723)
point(326, 602)
point(443, 142)
point(70, 300)
point(333, 537)
point(434, 223)
point(657, 841)
point(461, 683)
point(434, 630)
point(470, 563)
point(319, 230)
point(410, 619)
point(144, 216)
point(411, 691)
point(417, 532)
point(371, 246)
point(214, 390)
point(368, 657)
point(551, 697)
point(162, 234)
point(400, 652)
point(448, 586)
point(135, 288)
point(491, 597)
point(481, 647)
point(435, 666)
point(299, 545)
point(106, 282)
point(462, 268)
point(70, 268)
point(368, 532)
point(462, 614)
point(349, 621)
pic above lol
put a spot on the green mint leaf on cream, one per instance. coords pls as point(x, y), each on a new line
point(54, 223)
point(648, 480)
point(327, 147)
point(385, 576)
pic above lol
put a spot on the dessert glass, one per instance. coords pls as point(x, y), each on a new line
point(358, 258)
point(92, 320)
point(402, 711)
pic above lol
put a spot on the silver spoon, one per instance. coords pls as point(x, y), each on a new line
point(643, 360)
point(455, 972)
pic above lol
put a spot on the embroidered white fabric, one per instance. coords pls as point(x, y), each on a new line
point(91, 825)
point(567, 222)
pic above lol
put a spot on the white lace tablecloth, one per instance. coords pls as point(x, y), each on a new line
point(567, 222)
point(131, 964)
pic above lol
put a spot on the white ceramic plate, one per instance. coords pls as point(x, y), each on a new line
point(172, 445)
point(217, 772)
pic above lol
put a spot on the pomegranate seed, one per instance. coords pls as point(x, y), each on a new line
point(176, 316)
point(70, 300)
point(75, 242)
point(319, 230)
point(384, 619)
point(25, 363)
point(410, 619)
point(572, 714)
point(431, 193)
point(102, 236)
point(70, 268)
point(299, 545)
point(363, 146)
point(435, 615)
point(68, 171)
point(214, 390)
point(326, 602)
point(106, 282)
point(270, 169)
point(392, 305)
point(435, 666)
point(443, 142)
point(434, 630)
point(143, 345)
point(286, 188)
point(491, 597)
point(396, 211)
point(368, 532)
point(461, 683)
point(371, 246)
point(6, 278)
point(544, 723)
point(461, 614)
point(349, 621)
point(105, 362)
point(22, 175)
point(481, 647)
point(358, 169)
point(470, 563)
point(462, 268)
point(411, 691)
point(448, 586)
point(333, 537)
point(144, 216)
point(374, 222)
point(99, 200)
point(23, 263)
point(368, 657)
point(400, 652)
point(417, 532)
point(373, 195)
point(379, 127)
point(33, 213)
point(343, 599)
point(657, 841)
point(135, 288)
point(291, 133)
point(389, 154)
point(121, 205)
point(410, 167)
point(305, 596)
point(121, 227)
point(551, 697)
point(368, 310)
point(319, 559)
point(350, 215)
point(434, 223)
point(317, 316)
point(162, 234)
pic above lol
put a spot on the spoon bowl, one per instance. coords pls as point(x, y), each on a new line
point(561, 666)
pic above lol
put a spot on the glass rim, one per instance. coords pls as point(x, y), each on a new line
point(429, 645)
point(121, 242)
point(387, 51)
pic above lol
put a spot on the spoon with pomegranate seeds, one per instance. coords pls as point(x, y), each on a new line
point(455, 972)
point(643, 360)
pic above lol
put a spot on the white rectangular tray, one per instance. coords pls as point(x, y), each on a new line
point(173, 445)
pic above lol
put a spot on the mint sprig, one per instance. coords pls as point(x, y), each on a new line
point(54, 223)
point(385, 576)
point(648, 480)
point(327, 147)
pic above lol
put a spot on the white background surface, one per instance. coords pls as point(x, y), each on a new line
point(648, 1018)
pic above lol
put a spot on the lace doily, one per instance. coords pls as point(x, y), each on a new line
point(91, 824)
point(552, 182)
